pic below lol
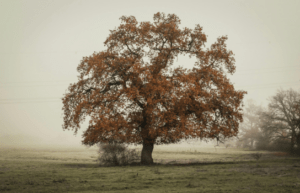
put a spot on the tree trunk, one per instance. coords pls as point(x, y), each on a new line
point(147, 153)
point(298, 144)
point(292, 144)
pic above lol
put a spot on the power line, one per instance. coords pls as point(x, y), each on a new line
point(17, 102)
point(269, 84)
point(234, 85)
point(25, 82)
point(297, 66)
point(261, 88)
point(29, 102)
point(287, 70)
point(7, 86)
point(37, 81)
point(244, 86)
point(25, 86)
point(93, 51)
point(49, 52)
point(29, 98)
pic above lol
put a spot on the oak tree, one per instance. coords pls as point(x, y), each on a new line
point(134, 101)
point(296, 119)
point(272, 133)
point(282, 109)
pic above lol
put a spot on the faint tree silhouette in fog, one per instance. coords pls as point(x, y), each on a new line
point(272, 135)
point(279, 124)
point(282, 111)
point(249, 129)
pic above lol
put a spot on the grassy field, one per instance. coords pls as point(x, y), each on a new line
point(176, 170)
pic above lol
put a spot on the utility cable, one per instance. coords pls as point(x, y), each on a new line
point(25, 82)
point(15, 102)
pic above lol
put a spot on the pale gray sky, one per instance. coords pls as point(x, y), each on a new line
point(43, 41)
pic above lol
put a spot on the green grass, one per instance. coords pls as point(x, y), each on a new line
point(207, 170)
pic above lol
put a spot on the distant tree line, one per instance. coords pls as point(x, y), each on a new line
point(275, 128)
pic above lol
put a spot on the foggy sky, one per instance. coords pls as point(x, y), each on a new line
point(43, 41)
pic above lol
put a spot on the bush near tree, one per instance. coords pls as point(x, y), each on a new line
point(116, 154)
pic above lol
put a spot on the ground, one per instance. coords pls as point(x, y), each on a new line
point(176, 170)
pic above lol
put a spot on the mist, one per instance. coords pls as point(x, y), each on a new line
point(42, 43)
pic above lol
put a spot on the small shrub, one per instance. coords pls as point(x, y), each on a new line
point(5, 188)
point(280, 154)
point(227, 145)
point(12, 181)
point(82, 181)
point(29, 182)
point(256, 156)
point(156, 171)
point(116, 155)
point(60, 180)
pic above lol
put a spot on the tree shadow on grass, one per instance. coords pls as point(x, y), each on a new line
point(79, 165)
point(96, 165)
point(198, 163)
point(173, 163)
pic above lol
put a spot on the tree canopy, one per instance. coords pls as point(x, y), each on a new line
point(130, 100)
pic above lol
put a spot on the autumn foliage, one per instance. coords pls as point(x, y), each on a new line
point(130, 100)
